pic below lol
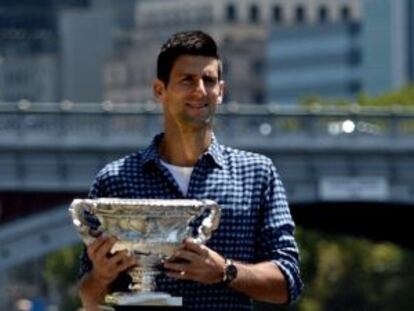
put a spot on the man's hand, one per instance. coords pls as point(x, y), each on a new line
point(106, 266)
point(105, 269)
point(196, 262)
point(261, 281)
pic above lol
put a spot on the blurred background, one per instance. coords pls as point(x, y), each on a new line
point(323, 87)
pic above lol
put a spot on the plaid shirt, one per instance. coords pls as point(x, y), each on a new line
point(255, 224)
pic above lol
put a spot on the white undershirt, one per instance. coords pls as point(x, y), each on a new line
point(181, 174)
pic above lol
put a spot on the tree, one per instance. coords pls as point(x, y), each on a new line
point(61, 274)
point(403, 97)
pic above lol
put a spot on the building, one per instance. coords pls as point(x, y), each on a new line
point(388, 40)
point(314, 61)
point(28, 59)
point(85, 43)
point(33, 77)
point(53, 50)
point(29, 50)
point(317, 54)
point(240, 27)
point(374, 37)
point(129, 74)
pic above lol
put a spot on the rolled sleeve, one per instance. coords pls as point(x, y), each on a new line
point(275, 240)
point(85, 263)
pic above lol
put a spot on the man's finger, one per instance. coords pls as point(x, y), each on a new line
point(96, 245)
point(185, 255)
point(105, 248)
point(200, 249)
point(175, 266)
point(179, 275)
point(117, 257)
point(182, 260)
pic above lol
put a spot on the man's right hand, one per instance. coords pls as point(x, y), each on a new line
point(105, 268)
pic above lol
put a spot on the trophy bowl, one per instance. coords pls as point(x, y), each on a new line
point(150, 230)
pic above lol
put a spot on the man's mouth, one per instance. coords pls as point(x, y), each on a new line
point(196, 106)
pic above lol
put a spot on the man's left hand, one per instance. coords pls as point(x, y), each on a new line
point(196, 262)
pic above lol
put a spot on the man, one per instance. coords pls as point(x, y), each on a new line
point(253, 253)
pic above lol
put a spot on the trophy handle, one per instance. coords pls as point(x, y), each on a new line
point(77, 210)
point(209, 223)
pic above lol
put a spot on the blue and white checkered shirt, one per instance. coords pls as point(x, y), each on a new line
point(256, 224)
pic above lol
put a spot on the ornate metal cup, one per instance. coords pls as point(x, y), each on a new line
point(150, 230)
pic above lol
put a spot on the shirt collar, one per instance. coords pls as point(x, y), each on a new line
point(215, 151)
point(152, 154)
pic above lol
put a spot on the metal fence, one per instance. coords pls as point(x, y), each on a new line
point(26, 123)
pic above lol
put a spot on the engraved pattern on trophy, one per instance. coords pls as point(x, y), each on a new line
point(150, 230)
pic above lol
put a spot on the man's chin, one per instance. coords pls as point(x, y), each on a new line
point(199, 122)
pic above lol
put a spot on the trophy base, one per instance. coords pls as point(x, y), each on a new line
point(143, 299)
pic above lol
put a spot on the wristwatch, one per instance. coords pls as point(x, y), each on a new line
point(230, 271)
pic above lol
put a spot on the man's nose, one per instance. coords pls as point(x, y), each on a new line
point(200, 88)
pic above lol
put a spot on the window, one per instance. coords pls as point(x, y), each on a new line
point(277, 14)
point(231, 13)
point(323, 14)
point(254, 13)
point(300, 14)
point(354, 87)
point(345, 14)
point(354, 57)
point(257, 67)
point(257, 97)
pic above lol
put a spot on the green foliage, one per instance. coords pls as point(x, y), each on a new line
point(344, 273)
point(340, 273)
point(61, 272)
point(61, 267)
point(402, 97)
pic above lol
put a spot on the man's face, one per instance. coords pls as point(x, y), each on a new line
point(193, 92)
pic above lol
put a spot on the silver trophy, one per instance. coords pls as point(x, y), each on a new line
point(149, 229)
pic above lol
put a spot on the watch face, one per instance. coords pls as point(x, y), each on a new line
point(231, 273)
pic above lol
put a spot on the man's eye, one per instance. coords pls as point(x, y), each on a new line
point(210, 80)
point(187, 80)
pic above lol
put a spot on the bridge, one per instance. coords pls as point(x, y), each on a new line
point(344, 168)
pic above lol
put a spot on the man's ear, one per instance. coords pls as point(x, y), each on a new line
point(158, 90)
point(221, 92)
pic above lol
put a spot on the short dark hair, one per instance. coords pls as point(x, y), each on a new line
point(195, 42)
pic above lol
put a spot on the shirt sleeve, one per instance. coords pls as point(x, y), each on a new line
point(276, 240)
point(85, 263)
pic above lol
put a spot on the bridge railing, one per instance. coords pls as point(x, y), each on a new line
point(61, 146)
point(26, 123)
